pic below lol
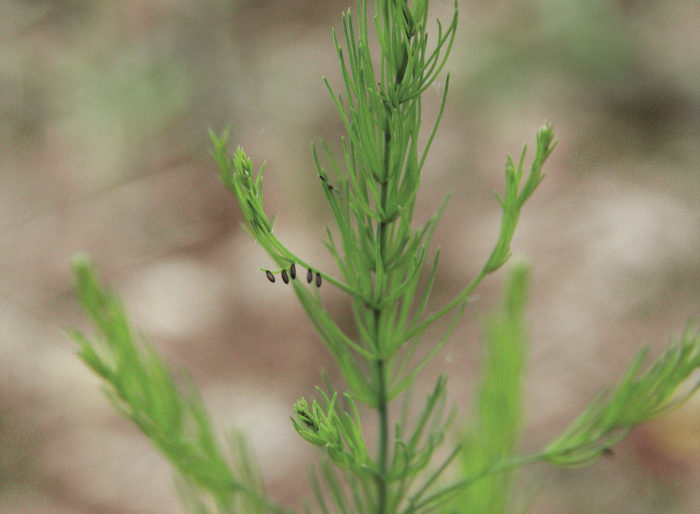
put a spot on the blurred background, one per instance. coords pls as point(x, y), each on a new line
point(104, 113)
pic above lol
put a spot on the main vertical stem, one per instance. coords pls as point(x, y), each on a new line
point(382, 400)
point(383, 413)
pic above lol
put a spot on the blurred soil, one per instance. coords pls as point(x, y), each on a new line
point(104, 113)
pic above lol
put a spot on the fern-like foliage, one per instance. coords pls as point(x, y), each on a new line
point(385, 265)
point(141, 387)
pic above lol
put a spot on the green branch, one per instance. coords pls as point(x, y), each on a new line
point(141, 387)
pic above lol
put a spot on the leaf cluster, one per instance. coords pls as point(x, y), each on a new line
point(340, 435)
point(637, 398)
point(141, 387)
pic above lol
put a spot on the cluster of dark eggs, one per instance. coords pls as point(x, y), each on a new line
point(292, 273)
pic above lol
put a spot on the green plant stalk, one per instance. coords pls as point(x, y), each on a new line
point(383, 451)
point(497, 407)
point(382, 400)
